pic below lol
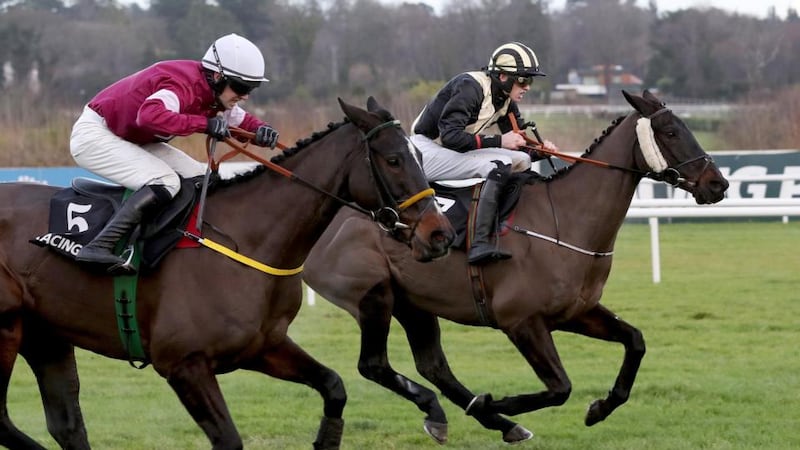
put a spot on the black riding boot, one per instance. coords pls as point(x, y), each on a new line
point(143, 201)
point(481, 250)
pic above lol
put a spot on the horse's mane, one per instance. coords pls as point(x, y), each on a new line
point(282, 157)
point(304, 143)
point(564, 170)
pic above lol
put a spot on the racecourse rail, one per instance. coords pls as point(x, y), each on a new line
point(653, 209)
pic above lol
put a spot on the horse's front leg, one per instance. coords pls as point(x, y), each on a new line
point(195, 383)
point(374, 318)
point(600, 323)
point(534, 341)
point(52, 361)
point(424, 338)
point(10, 342)
point(289, 362)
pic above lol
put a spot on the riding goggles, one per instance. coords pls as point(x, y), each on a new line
point(524, 81)
point(241, 87)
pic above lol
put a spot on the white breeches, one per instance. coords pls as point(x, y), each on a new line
point(95, 148)
point(440, 163)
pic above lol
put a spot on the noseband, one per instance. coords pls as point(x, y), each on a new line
point(669, 175)
point(672, 176)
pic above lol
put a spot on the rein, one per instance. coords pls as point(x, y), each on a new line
point(386, 216)
point(670, 175)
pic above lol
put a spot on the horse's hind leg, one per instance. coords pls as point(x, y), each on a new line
point(10, 340)
point(194, 382)
point(375, 315)
point(53, 363)
point(532, 338)
point(423, 333)
point(600, 323)
point(289, 362)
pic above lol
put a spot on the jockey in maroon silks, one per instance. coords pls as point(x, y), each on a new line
point(123, 132)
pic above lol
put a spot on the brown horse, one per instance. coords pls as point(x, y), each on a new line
point(563, 235)
point(202, 314)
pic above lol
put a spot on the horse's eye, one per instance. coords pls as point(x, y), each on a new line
point(393, 161)
point(671, 133)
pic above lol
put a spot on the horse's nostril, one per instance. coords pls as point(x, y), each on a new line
point(718, 186)
point(440, 236)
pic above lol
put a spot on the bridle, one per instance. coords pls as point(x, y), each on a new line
point(669, 175)
point(386, 216)
point(673, 177)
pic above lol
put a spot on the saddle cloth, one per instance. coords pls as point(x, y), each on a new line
point(456, 200)
point(78, 213)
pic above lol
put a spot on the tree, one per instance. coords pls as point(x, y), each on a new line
point(683, 60)
point(300, 31)
point(603, 33)
point(172, 10)
point(196, 30)
point(256, 17)
point(41, 5)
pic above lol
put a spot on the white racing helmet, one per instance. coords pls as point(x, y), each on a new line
point(235, 57)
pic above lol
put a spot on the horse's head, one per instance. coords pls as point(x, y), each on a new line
point(671, 152)
point(392, 184)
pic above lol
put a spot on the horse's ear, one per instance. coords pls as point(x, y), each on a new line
point(343, 105)
point(647, 95)
point(627, 96)
point(652, 98)
point(645, 107)
point(358, 116)
point(372, 104)
point(374, 107)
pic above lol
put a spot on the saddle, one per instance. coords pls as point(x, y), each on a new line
point(458, 199)
point(78, 213)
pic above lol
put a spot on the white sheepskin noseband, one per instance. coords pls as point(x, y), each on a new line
point(647, 142)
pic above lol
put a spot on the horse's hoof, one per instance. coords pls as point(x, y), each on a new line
point(517, 434)
point(594, 414)
point(436, 430)
point(478, 405)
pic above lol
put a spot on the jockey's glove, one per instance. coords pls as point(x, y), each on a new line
point(217, 128)
point(266, 136)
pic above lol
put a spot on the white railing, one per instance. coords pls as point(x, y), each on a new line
point(729, 207)
point(653, 209)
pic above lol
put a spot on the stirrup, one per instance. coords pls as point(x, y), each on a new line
point(485, 253)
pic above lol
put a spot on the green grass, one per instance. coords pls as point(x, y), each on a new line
point(722, 369)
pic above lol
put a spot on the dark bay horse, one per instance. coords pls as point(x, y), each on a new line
point(563, 237)
point(202, 314)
